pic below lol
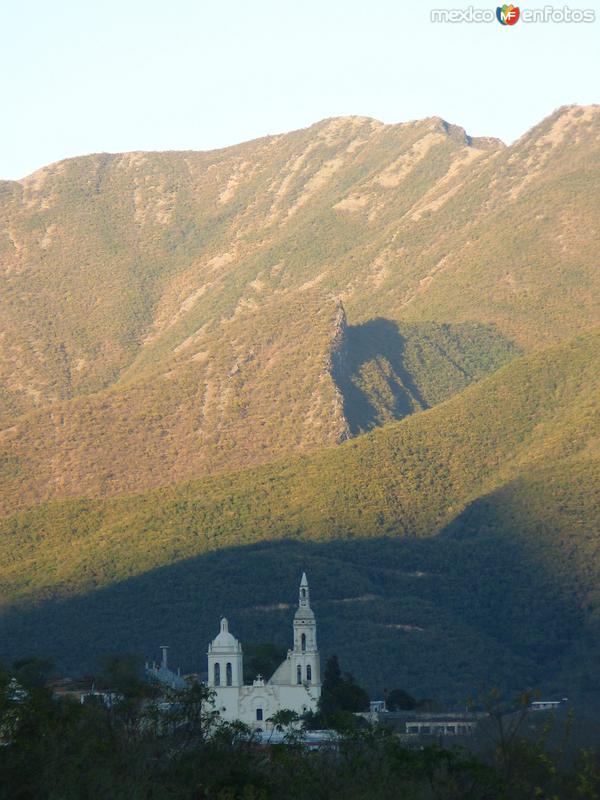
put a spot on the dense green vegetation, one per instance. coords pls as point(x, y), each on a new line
point(459, 546)
point(341, 698)
point(178, 382)
point(142, 749)
point(387, 370)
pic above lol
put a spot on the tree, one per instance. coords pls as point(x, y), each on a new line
point(399, 700)
point(262, 659)
point(123, 674)
point(191, 714)
point(33, 671)
point(283, 718)
point(340, 694)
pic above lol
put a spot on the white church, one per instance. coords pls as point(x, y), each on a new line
point(295, 684)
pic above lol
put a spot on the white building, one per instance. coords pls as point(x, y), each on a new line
point(162, 674)
point(547, 705)
point(295, 684)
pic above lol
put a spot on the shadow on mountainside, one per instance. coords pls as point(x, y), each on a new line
point(483, 604)
point(386, 370)
point(372, 377)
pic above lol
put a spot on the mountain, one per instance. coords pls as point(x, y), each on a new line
point(367, 349)
point(466, 534)
point(258, 387)
point(134, 284)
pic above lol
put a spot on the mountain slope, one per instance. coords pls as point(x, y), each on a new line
point(253, 388)
point(412, 477)
point(502, 480)
point(219, 405)
point(131, 285)
point(110, 262)
point(232, 319)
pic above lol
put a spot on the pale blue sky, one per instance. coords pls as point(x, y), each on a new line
point(102, 75)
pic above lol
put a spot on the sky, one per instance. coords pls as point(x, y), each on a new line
point(107, 76)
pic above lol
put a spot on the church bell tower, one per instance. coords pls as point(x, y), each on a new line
point(225, 660)
point(305, 661)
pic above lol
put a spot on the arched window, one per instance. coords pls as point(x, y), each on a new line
point(299, 674)
point(217, 674)
point(303, 642)
point(229, 674)
point(303, 592)
point(308, 672)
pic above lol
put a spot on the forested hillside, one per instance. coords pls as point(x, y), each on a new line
point(365, 351)
point(464, 538)
point(151, 302)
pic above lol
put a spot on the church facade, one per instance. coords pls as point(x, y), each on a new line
point(295, 684)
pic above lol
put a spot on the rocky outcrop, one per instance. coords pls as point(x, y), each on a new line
point(337, 367)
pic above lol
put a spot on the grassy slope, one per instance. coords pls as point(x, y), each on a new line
point(411, 477)
point(502, 481)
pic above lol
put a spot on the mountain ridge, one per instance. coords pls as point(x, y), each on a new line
point(359, 118)
point(117, 271)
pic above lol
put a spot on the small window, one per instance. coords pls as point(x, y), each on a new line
point(299, 674)
point(217, 674)
point(229, 674)
point(308, 673)
point(259, 714)
point(303, 641)
point(303, 592)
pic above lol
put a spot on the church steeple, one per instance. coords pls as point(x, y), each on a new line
point(225, 659)
point(304, 593)
point(305, 656)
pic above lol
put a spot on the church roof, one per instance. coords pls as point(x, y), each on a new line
point(225, 640)
point(281, 676)
point(304, 612)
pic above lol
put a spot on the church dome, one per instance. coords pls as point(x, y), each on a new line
point(225, 640)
